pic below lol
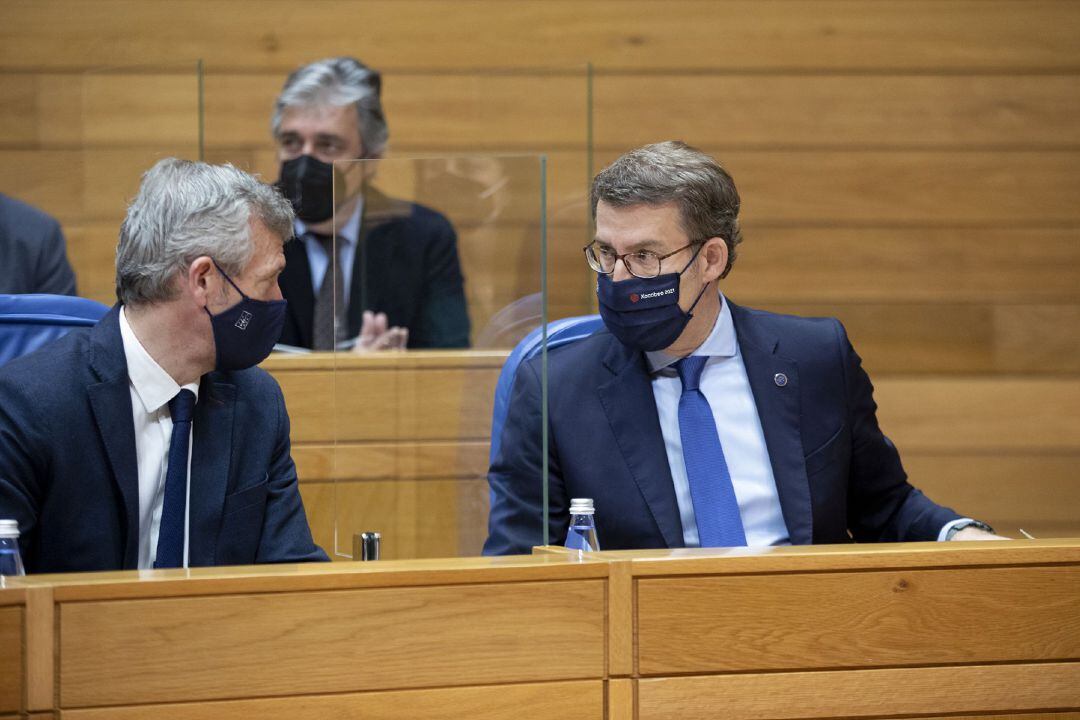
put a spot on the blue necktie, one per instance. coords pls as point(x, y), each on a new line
point(715, 505)
point(170, 547)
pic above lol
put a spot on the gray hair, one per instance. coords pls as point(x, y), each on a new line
point(675, 172)
point(185, 210)
point(338, 81)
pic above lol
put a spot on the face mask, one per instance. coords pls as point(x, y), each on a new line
point(245, 333)
point(644, 313)
point(308, 183)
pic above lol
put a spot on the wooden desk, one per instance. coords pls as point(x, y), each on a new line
point(406, 438)
point(967, 630)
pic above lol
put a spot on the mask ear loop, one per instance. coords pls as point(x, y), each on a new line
point(690, 310)
point(225, 275)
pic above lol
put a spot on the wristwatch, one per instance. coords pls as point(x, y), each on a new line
point(967, 523)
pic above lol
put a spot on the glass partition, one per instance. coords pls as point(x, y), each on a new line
point(76, 145)
point(440, 265)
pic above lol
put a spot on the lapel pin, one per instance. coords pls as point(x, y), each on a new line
point(780, 379)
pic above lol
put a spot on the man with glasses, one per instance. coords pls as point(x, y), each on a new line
point(374, 273)
point(689, 420)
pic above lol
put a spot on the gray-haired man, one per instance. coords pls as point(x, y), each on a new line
point(150, 440)
point(397, 279)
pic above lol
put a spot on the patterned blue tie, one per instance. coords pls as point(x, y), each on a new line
point(170, 547)
point(715, 505)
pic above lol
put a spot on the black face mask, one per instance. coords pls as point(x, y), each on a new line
point(308, 183)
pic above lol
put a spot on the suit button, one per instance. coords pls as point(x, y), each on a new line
point(780, 379)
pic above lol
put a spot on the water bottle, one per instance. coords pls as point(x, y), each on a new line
point(10, 559)
point(582, 534)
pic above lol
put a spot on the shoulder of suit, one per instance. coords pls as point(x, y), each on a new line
point(21, 220)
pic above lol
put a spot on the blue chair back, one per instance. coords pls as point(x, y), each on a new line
point(560, 332)
point(29, 321)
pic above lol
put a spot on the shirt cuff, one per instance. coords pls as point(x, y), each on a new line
point(950, 525)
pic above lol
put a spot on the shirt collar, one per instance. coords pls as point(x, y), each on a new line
point(349, 232)
point(154, 387)
point(720, 343)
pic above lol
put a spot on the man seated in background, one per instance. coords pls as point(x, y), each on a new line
point(33, 254)
point(398, 280)
point(692, 421)
point(151, 440)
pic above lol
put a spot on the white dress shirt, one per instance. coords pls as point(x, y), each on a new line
point(151, 390)
point(727, 388)
point(319, 259)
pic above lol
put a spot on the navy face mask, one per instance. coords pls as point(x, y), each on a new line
point(308, 183)
point(644, 313)
point(245, 333)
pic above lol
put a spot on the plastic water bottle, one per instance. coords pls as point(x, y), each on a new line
point(10, 559)
point(582, 534)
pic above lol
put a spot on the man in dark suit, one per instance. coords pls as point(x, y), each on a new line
point(397, 281)
point(150, 440)
point(33, 251)
point(691, 421)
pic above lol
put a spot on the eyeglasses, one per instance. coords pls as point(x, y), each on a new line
point(641, 263)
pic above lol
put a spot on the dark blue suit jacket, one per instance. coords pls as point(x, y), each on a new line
point(406, 266)
point(68, 466)
point(839, 478)
point(33, 254)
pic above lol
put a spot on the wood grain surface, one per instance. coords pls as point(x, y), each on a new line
point(185, 649)
point(784, 622)
point(864, 693)
point(12, 659)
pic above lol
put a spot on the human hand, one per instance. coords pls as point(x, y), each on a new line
point(375, 336)
point(975, 533)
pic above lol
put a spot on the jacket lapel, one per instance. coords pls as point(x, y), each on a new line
point(778, 410)
point(628, 402)
point(110, 399)
point(211, 452)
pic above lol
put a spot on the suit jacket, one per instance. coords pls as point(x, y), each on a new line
point(406, 265)
point(68, 469)
point(33, 251)
point(838, 477)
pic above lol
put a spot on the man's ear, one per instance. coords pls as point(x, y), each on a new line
point(715, 255)
point(202, 280)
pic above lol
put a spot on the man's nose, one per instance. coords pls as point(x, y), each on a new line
point(620, 272)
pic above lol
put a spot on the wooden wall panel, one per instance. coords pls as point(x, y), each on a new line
point(430, 518)
point(716, 624)
point(517, 702)
point(12, 658)
point(863, 693)
point(744, 35)
point(839, 111)
point(203, 648)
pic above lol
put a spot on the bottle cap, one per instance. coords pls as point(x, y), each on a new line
point(9, 528)
point(582, 506)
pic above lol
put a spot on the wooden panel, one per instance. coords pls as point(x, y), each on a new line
point(417, 519)
point(268, 34)
point(388, 405)
point(12, 659)
point(961, 414)
point(513, 702)
point(863, 693)
point(185, 649)
point(688, 625)
point(902, 264)
point(40, 649)
point(909, 188)
point(386, 461)
point(621, 700)
point(950, 338)
point(839, 110)
point(1037, 492)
